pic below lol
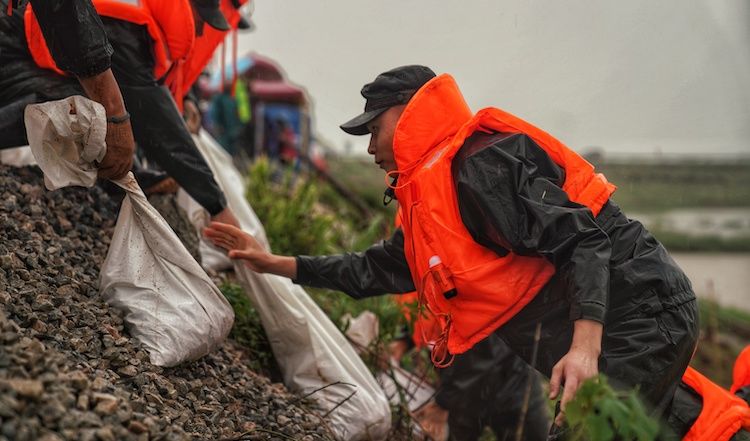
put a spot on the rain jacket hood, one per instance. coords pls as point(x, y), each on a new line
point(436, 112)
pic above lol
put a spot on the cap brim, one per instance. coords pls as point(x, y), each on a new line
point(214, 18)
point(358, 125)
point(244, 24)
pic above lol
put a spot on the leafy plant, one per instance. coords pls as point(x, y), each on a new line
point(600, 413)
point(247, 329)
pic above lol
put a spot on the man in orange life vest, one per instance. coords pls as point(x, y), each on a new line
point(151, 41)
point(507, 231)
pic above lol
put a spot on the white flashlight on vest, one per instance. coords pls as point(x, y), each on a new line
point(442, 277)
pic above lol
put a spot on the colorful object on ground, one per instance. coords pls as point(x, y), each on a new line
point(723, 414)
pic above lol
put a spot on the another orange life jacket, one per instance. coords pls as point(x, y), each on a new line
point(490, 289)
point(741, 373)
point(426, 329)
point(206, 44)
point(723, 414)
point(170, 24)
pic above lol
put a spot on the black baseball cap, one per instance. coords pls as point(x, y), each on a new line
point(389, 89)
point(211, 14)
point(244, 23)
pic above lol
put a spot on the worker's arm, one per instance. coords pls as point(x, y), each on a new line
point(75, 36)
point(378, 270)
point(527, 212)
point(157, 124)
point(76, 39)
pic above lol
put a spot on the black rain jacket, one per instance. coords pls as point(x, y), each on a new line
point(158, 127)
point(644, 300)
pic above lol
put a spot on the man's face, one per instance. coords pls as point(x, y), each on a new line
point(381, 137)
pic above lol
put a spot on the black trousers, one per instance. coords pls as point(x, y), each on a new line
point(485, 387)
point(651, 327)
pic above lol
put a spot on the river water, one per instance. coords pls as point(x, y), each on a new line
point(724, 277)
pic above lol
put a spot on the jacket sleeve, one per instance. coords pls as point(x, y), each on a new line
point(75, 35)
point(158, 127)
point(381, 269)
point(510, 198)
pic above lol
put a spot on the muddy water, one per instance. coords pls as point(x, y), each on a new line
point(724, 277)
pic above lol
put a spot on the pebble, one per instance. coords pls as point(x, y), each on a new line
point(67, 362)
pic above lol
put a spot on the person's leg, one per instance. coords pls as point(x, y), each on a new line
point(651, 350)
point(486, 386)
point(549, 310)
point(464, 390)
point(507, 407)
point(648, 348)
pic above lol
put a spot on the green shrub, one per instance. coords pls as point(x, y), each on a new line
point(247, 329)
point(293, 222)
point(600, 413)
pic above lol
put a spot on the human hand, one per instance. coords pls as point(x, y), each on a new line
point(192, 117)
point(226, 216)
point(433, 419)
point(120, 148)
point(239, 245)
point(118, 160)
point(579, 364)
point(397, 349)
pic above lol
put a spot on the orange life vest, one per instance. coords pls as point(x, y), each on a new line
point(723, 414)
point(206, 45)
point(741, 373)
point(169, 23)
point(490, 289)
point(425, 328)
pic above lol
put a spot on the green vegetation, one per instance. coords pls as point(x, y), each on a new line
point(302, 215)
point(248, 331)
point(677, 241)
point(724, 333)
point(653, 187)
point(306, 216)
point(643, 187)
point(600, 413)
point(364, 178)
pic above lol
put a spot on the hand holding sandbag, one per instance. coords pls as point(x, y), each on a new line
point(169, 303)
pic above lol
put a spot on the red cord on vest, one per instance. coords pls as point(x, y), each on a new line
point(234, 61)
point(10, 8)
point(439, 354)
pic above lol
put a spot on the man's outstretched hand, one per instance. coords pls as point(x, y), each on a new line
point(240, 245)
point(579, 364)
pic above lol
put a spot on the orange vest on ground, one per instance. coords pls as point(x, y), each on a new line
point(741, 373)
point(490, 289)
point(723, 414)
point(169, 23)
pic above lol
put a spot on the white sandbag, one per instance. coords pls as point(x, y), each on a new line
point(17, 156)
point(169, 303)
point(310, 350)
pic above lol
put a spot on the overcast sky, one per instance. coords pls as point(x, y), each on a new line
point(627, 76)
